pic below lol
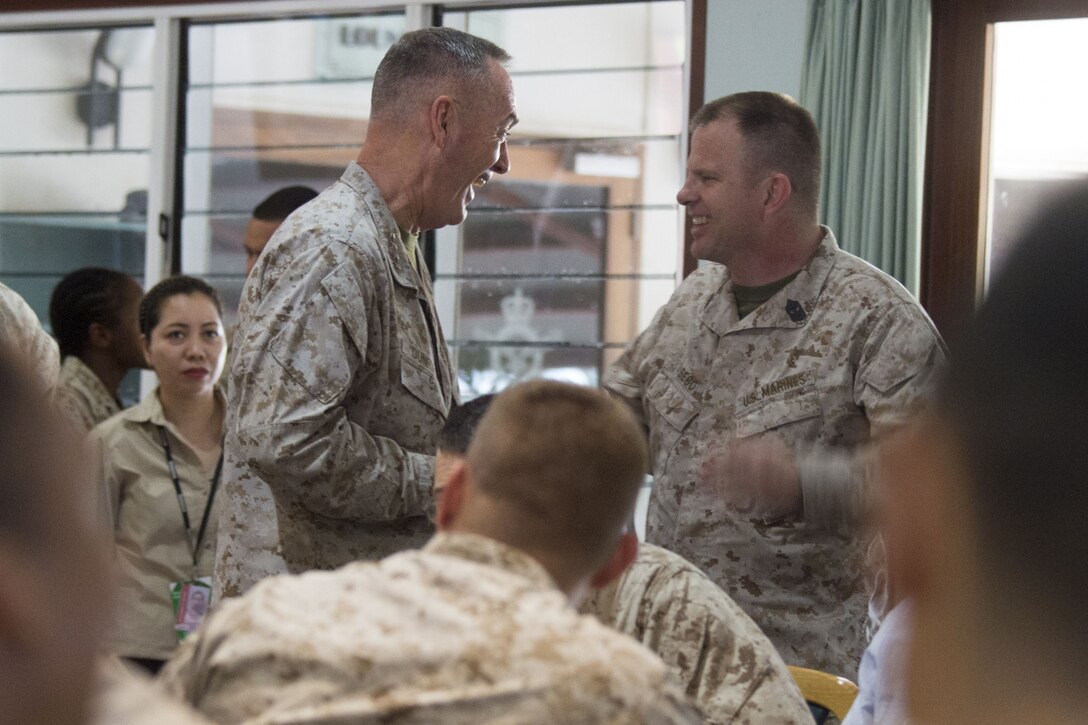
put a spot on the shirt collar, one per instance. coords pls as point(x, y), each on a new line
point(790, 307)
point(356, 177)
point(76, 370)
point(149, 410)
point(482, 550)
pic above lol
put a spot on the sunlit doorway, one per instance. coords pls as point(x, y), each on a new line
point(1038, 122)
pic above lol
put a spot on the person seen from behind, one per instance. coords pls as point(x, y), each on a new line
point(94, 315)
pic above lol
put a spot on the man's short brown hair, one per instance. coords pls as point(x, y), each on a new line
point(567, 459)
point(780, 136)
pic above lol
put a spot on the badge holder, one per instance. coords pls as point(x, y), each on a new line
point(191, 600)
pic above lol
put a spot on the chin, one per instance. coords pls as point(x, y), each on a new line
point(459, 217)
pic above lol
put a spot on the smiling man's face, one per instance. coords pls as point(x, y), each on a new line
point(476, 149)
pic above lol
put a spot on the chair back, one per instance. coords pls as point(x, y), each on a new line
point(824, 690)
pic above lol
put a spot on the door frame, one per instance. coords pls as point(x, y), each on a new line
point(954, 197)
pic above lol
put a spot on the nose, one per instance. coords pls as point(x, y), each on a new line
point(685, 196)
point(503, 164)
point(194, 349)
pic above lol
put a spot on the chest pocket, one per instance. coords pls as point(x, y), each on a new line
point(418, 367)
point(787, 409)
point(674, 409)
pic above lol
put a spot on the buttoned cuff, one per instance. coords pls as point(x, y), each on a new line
point(422, 472)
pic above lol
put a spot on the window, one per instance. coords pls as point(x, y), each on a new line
point(1039, 108)
point(565, 259)
point(270, 103)
point(74, 156)
point(561, 262)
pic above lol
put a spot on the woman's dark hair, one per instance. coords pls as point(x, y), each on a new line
point(84, 297)
point(156, 297)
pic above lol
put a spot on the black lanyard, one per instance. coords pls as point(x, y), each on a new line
point(195, 550)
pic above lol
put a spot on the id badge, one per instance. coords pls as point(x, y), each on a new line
point(191, 600)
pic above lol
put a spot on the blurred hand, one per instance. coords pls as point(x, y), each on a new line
point(757, 477)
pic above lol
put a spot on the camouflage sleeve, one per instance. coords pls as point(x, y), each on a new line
point(295, 433)
point(187, 675)
point(20, 327)
point(721, 658)
point(623, 378)
point(176, 677)
point(671, 707)
point(901, 359)
point(775, 698)
point(621, 381)
point(123, 697)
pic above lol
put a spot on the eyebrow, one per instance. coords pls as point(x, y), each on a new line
point(185, 325)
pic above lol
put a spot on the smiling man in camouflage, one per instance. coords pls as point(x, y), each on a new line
point(340, 379)
point(764, 377)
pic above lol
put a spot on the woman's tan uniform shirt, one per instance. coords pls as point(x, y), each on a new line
point(151, 548)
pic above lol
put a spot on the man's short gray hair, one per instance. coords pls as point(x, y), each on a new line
point(426, 55)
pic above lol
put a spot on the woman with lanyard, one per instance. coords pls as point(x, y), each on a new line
point(161, 462)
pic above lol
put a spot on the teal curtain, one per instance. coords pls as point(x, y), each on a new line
point(866, 81)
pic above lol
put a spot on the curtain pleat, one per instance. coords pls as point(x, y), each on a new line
point(866, 82)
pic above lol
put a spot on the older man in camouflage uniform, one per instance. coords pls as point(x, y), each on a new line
point(340, 377)
point(475, 628)
point(763, 378)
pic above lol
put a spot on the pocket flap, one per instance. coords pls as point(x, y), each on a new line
point(777, 412)
point(671, 401)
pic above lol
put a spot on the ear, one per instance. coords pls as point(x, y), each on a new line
point(625, 552)
point(441, 118)
point(99, 336)
point(452, 497)
point(147, 350)
point(777, 190)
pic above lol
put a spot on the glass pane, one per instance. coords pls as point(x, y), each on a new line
point(564, 260)
point(489, 368)
point(51, 121)
point(619, 35)
point(236, 181)
point(610, 103)
point(36, 61)
point(1038, 116)
point(294, 49)
point(610, 172)
point(89, 181)
point(74, 161)
point(562, 242)
point(551, 310)
point(271, 103)
point(272, 115)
